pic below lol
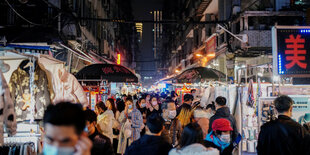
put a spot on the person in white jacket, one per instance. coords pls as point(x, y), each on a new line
point(105, 119)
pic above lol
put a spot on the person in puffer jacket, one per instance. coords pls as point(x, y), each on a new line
point(222, 111)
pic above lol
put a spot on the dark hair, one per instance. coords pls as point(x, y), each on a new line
point(193, 90)
point(65, 114)
point(188, 97)
point(90, 116)
point(129, 98)
point(112, 104)
point(155, 123)
point(154, 96)
point(101, 105)
point(220, 100)
point(138, 102)
point(283, 103)
point(173, 94)
point(192, 133)
point(212, 106)
point(120, 105)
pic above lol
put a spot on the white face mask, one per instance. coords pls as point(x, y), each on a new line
point(130, 106)
point(172, 114)
point(143, 105)
point(225, 138)
point(154, 103)
point(53, 150)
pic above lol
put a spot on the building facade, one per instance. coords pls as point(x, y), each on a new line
point(74, 24)
point(212, 45)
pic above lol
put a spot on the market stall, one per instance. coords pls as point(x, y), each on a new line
point(33, 82)
point(99, 80)
point(204, 80)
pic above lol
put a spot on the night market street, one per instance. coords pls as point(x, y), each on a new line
point(155, 77)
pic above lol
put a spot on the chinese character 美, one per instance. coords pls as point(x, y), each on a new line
point(295, 47)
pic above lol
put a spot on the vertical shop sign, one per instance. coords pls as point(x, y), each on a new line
point(291, 54)
point(211, 46)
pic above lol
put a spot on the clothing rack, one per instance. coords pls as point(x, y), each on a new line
point(26, 133)
point(18, 149)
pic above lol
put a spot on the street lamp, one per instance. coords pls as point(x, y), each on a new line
point(177, 71)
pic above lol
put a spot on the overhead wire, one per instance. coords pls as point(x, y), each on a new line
point(20, 14)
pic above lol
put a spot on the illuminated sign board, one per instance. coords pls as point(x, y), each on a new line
point(291, 50)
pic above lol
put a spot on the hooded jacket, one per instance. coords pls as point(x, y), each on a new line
point(67, 88)
point(282, 136)
point(224, 113)
point(20, 91)
point(194, 149)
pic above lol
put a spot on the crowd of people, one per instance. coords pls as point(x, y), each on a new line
point(156, 124)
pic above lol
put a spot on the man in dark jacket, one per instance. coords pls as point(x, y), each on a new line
point(173, 129)
point(151, 143)
point(282, 136)
point(222, 111)
point(101, 143)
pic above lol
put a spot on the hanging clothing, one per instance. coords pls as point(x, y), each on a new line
point(20, 91)
point(7, 113)
point(67, 88)
point(65, 85)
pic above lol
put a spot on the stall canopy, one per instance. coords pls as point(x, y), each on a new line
point(199, 74)
point(167, 80)
point(109, 72)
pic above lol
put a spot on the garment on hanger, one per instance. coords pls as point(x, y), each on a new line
point(18, 149)
point(7, 113)
point(67, 88)
point(21, 92)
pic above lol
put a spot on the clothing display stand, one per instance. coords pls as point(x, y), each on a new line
point(28, 135)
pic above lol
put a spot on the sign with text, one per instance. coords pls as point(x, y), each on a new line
point(291, 50)
point(211, 46)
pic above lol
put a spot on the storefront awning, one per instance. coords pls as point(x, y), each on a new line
point(199, 74)
point(108, 72)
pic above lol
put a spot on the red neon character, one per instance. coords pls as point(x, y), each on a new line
point(295, 47)
point(107, 70)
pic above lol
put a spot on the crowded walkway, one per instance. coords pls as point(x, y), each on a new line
point(159, 124)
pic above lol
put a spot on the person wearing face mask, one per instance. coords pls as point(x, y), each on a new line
point(131, 125)
point(105, 120)
point(155, 106)
point(141, 106)
point(221, 137)
point(64, 124)
point(101, 143)
point(222, 111)
point(173, 129)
